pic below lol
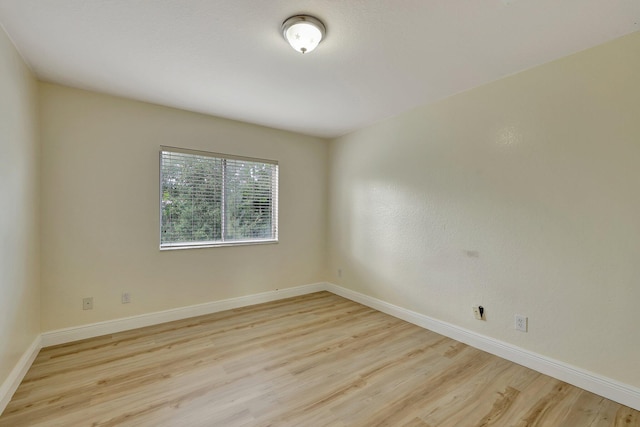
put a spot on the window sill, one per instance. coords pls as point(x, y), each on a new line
point(176, 246)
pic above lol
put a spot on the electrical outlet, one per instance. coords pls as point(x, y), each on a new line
point(126, 297)
point(478, 312)
point(339, 272)
point(522, 323)
point(87, 303)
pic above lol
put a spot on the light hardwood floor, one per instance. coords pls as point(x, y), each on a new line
point(314, 360)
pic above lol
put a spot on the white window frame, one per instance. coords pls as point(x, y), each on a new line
point(222, 242)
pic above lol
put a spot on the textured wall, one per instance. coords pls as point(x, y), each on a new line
point(19, 212)
point(520, 195)
point(100, 226)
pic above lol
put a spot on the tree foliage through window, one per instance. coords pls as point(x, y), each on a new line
point(214, 199)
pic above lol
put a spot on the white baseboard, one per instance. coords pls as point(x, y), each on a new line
point(603, 386)
point(62, 336)
point(10, 385)
point(611, 389)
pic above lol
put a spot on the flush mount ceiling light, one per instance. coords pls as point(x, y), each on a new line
point(303, 32)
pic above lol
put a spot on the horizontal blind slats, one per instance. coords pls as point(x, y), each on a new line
point(197, 187)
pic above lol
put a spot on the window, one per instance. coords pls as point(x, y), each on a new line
point(209, 199)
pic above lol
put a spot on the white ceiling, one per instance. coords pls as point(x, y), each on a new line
point(227, 57)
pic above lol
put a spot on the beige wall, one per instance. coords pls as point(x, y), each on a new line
point(100, 225)
point(522, 195)
point(19, 212)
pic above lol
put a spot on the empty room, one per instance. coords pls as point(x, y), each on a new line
point(417, 213)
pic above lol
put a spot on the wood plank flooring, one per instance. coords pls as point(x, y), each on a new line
point(314, 360)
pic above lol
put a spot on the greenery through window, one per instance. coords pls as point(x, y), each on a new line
point(212, 199)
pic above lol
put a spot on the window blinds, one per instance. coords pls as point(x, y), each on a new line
point(210, 199)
